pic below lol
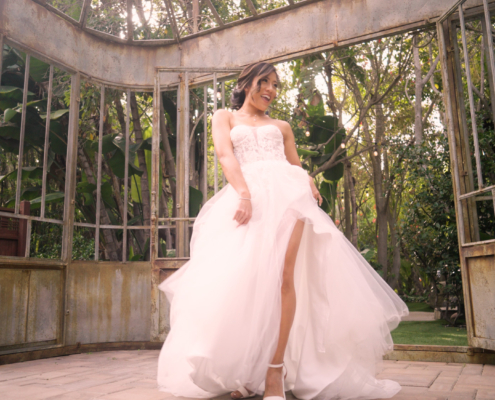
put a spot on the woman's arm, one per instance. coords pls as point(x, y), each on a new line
point(230, 165)
point(290, 145)
point(293, 157)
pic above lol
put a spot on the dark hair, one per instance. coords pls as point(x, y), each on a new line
point(246, 78)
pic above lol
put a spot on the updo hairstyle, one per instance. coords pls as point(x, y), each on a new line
point(246, 79)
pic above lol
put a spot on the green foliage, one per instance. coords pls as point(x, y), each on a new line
point(51, 197)
point(416, 306)
point(352, 65)
point(429, 233)
point(195, 200)
point(370, 255)
point(83, 246)
point(325, 132)
point(46, 241)
point(35, 118)
point(328, 191)
point(486, 136)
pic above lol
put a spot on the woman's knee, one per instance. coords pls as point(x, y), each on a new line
point(288, 282)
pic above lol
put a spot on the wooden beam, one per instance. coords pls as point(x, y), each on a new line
point(130, 25)
point(252, 8)
point(47, 141)
point(56, 11)
point(126, 172)
point(173, 22)
point(312, 26)
point(182, 178)
point(104, 35)
point(155, 170)
point(20, 156)
point(195, 12)
point(1, 57)
point(71, 168)
point(98, 176)
point(215, 13)
point(84, 13)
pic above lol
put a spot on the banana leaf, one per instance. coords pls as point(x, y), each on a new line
point(49, 198)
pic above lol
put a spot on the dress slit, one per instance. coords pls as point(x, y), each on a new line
point(225, 302)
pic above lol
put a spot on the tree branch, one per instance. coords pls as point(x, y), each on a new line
point(431, 71)
point(430, 109)
point(362, 116)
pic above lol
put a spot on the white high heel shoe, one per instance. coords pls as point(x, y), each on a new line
point(283, 386)
point(244, 392)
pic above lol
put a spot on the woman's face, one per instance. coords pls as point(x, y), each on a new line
point(268, 91)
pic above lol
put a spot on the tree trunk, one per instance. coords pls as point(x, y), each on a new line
point(203, 172)
point(417, 283)
point(354, 228)
point(193, 174)
point(165, 234)
point(347, 200)
point(145, 189)
point(170, 171)
point(381, 220)
point(140, 12)
point(418, 93)
point(116, 186)
point(120, 114)
point(419, 84)
point(380, 200)
point(393, 280)
point(163, 208)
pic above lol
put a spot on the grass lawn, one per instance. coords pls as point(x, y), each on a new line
point(419, 307)
point(429, 333)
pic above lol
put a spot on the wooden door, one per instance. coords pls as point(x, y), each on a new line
point(474, 189)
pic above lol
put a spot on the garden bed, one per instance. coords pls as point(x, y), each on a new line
point(419, 307)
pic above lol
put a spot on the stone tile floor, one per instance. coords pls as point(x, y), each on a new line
point(130, 375)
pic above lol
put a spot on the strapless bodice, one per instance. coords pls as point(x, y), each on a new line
point(257, 143)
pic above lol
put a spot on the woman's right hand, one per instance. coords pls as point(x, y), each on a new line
point(244, 212)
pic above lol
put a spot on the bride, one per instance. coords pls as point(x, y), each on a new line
point(274, 297)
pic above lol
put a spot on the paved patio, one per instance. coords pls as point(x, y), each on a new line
point(130, 375)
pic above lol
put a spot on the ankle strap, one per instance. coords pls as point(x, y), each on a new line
point(276, 365)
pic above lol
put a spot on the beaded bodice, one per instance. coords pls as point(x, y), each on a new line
point(257, 143)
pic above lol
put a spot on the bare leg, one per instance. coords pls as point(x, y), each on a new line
point(273, 382)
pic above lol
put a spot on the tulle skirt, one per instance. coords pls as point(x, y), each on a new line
point(226, 301)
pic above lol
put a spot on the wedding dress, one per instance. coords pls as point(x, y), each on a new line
point(226, 301)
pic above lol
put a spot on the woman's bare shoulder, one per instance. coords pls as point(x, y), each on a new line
point(284, 126)
point(223, 115)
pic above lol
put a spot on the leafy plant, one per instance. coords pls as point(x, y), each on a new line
point(428, 226)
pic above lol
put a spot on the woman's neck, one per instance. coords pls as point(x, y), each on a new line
point(251, 110)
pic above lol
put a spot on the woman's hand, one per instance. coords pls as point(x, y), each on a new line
point(315, 191)
point(244, 212)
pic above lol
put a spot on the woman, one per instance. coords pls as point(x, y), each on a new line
point(258, 245)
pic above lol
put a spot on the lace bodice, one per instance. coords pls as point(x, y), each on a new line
point(257, 143)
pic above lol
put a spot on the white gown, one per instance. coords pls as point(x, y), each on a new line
point(226, 301)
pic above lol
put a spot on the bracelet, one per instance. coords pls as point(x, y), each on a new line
point(244, 198)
